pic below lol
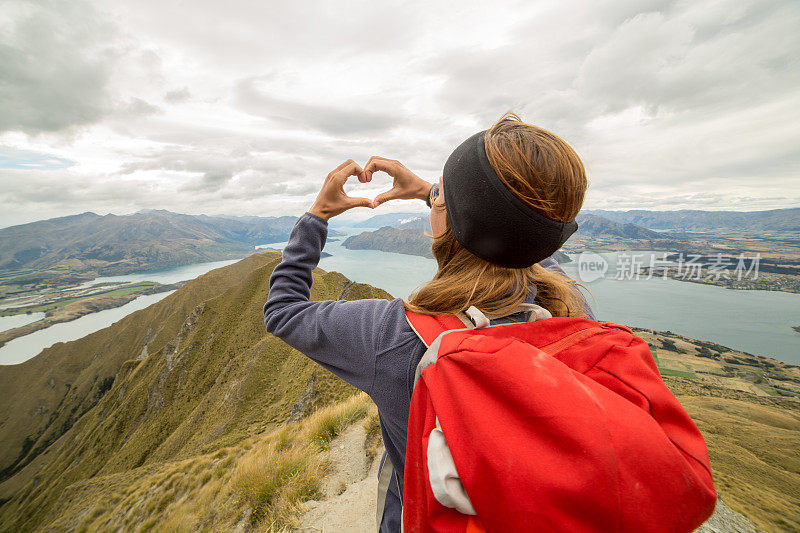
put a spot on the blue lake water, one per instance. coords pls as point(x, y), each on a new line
point(15, 321)
point(165, 276)
point(397, 274)
point(23, 348)
point(758, 322)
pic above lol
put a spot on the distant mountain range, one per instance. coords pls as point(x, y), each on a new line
point(681, 220)
point(595, 226)
point(636, 229)
point(696, 220)
point(114, 244)
point(390, 219)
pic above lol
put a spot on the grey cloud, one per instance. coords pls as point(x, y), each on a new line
point(571, 65)
point(178, 95)
point(136, 108)
point(679, 66)
point(630, 198)
point(246, 34)
point(665, 101)
point(54, 65)
point(217, 168)
point(331, 120)
point(693, 69)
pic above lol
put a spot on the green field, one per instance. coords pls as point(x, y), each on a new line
point(121, 291)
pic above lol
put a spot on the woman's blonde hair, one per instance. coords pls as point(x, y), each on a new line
point(547, 174)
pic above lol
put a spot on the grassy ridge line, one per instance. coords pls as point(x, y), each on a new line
point(261, 482)
point(212, 378)
point(46, 394)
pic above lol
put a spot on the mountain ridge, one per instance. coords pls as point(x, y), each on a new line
point(785, 219)
point(120, 244)
point(408, 237)
point(182, 376)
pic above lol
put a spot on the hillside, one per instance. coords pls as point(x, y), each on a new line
point(407, 238)
point(114, 245)
point(596, 226)
point(192, 374)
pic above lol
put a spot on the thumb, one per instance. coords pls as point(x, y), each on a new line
point(382, 197)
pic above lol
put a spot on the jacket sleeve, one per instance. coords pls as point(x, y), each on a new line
point(340, 335)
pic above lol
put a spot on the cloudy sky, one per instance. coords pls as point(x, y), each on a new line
point(243, 107)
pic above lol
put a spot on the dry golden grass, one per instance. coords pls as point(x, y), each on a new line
point(274, 481)
point(276, 478)
point(754, 450)
point(323, 426)
point(260, 483)
point(372, 427)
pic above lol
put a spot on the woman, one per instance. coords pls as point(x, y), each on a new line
point(369, 343)
point(497, 257)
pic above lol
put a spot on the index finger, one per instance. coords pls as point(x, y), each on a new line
point(378, 164)
point(351, 168)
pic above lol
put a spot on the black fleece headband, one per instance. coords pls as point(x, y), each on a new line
point(488, 219)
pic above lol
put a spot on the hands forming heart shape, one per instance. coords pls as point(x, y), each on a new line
point(332, 200)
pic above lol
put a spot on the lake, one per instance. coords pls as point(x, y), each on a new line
point(164, 276)
point(23, 348)
point(15, 321)
point(758, 322)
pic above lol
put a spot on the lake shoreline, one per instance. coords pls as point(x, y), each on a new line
point(78, 309)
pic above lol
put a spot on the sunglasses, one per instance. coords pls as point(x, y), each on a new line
point(434, 194)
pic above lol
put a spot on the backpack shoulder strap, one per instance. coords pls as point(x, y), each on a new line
point(428, 327)
point(385, 478)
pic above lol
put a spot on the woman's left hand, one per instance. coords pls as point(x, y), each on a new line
point(332, 200)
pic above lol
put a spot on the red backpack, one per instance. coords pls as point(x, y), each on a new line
point(560, 424)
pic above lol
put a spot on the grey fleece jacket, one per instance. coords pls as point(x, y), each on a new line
point(368, 343)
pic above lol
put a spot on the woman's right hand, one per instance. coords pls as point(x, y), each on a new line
point(406, 184)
